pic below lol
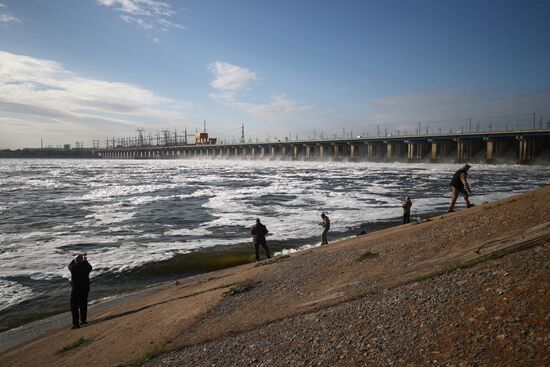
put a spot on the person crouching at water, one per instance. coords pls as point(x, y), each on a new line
point(459, 185)
point(326, 226)
point(258, 232)
point(407, 210)
point(80, 282)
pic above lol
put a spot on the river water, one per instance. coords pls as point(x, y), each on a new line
point(148, 221)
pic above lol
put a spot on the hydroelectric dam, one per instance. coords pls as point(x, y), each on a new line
point(499, 147)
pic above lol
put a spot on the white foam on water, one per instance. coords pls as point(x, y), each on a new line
point(12, 293)
point(191, 232)
point(140, 200)
point(108, 216)
point(114, 192)
point(288, 197)
point(294, 250)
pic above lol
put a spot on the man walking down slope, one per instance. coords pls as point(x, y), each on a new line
point(460, 186)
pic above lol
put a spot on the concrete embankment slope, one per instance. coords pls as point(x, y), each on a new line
point(471, 287)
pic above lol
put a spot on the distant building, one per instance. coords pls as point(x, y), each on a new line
point(67, 146)
point(201, 138)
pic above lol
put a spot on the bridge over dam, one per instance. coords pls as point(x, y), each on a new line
point(521, 146)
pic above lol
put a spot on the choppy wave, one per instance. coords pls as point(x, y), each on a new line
point(12, 293)
point(125, 214)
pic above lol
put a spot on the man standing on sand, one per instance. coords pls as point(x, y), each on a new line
point(80, 281)
point(258, 232)
point(407, 210)
point(326, 226)
point(459, 185)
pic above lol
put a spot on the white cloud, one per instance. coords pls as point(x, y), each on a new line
point(223, 97)
point(42, 91)
point(146, 14)
point(275, 111)
point(6, 17)
point(137, 21)
point(229, 77)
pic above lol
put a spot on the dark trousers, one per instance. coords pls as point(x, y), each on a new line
point(79, 305)
point(257, 248)
point(406, 218)
point(324, 239)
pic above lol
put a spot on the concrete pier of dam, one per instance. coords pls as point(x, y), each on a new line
point(523, 147)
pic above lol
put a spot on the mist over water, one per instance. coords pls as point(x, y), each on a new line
point(130, 215)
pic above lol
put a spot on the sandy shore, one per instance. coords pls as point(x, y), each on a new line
point(467, 288)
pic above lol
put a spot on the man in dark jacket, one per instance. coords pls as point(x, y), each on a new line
point(325, 223)
point(459, 185)
point(80, 281)
point(407, 210)
point(258, 232)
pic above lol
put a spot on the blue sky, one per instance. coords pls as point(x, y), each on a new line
point(93, 69)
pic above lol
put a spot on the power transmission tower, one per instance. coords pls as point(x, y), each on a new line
point(242, 134)
point(166, 137)
point(140, 137)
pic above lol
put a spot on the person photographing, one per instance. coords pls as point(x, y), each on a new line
point(80, 270)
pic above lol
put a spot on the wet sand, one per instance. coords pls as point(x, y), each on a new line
point(463, 288)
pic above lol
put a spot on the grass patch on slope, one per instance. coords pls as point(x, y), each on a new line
point(72, 345)
point(367, 256)
point(155, 352)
